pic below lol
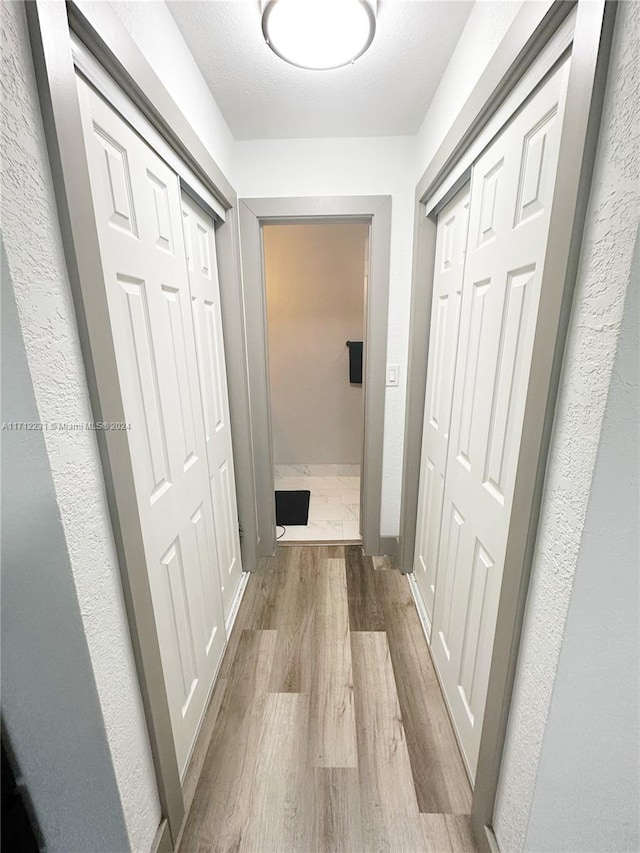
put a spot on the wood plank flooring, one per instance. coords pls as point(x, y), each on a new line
point(328, 727)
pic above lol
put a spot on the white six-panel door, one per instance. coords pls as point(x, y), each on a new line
point(139, 217)
point(207, 321)
point(451, 242)
point(511, 191)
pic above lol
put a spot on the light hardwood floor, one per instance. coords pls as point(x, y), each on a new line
point(328, 727)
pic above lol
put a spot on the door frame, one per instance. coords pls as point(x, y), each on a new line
point(512, 71)
point(254, 213)
point(50, 24)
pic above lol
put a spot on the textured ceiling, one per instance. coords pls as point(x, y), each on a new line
point(385, 93)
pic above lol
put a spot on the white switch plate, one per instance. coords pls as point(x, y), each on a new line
point(393, 375)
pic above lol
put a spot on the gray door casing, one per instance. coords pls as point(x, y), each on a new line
point(253, 214)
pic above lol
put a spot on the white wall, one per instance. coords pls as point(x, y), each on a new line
point(587, 792)
point(154, 30)
point(51, 713)
point(485, 28)
point(314, 277)
point(48, 326)
point(603, 278)
point(345, 167)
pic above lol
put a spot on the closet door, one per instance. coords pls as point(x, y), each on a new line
point(207, 321)
point(137, 207)
point(451, 241)
point(508, 227)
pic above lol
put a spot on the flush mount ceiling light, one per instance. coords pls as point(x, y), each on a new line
point(319, 34)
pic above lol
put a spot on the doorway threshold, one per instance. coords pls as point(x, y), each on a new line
point(297, 542)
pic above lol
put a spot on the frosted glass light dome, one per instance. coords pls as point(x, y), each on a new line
point(318, 34)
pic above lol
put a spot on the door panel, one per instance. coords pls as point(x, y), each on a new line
point(207, 321)
point(508, 228)
point(178, 619)
point(447, 286)
point(138, 213)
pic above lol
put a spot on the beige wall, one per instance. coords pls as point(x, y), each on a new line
point(315, 303)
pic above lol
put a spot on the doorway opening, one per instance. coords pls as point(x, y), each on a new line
point(315, 278)
point(254, 215)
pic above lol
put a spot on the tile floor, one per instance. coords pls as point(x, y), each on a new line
point(334, 508)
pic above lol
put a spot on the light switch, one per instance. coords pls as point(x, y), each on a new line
point(393, 375)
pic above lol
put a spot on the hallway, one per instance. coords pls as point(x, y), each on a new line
point(161, 683)
point(329, 731)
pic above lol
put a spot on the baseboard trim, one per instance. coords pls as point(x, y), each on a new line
point(388, 546)
point(491, 839)
point(301, 543)
point(423, 616)
point(235, 604)
point(162, 841)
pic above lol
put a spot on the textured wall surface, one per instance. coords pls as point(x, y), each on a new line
point(51, 713)
point(154, 30)
point(485, 28)
point(607, 250)
point(47, 319)
point(587, 793)
point(344, 167)
point(314, 277)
